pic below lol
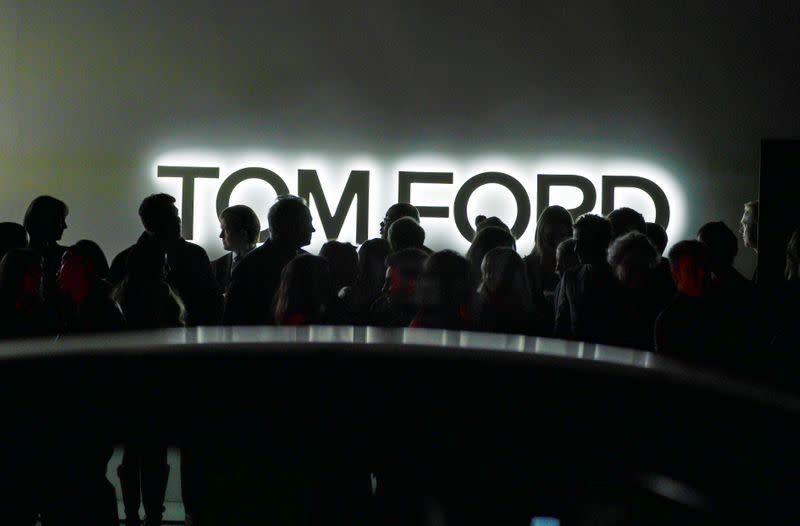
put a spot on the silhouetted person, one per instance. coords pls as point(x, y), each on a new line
point(342, 260)
point(749, 230)
point(566, 258)
point(589, 293)
point(406, 233)
point(254, 282)
point(147, 302)
point(86, 292)
point(371, 272)
point(12, 235)
point(722, 249)
point(188, 267)
point(22, 310)
point(239, 230)
point(397, 304)
point(306, 295)
point(445, 293)
point(553, 227)
point(644, 291)
point(45, 220)
point(504, 296)
point(484, 241)
point(624, 220)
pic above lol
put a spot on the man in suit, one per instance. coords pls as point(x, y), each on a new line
point(254, 281)
point(189, 272)
point(239, 229)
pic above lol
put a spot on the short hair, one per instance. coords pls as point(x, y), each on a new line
point(697, 251)
point(722, 243)
point(624, 220)
point(751, 212)
point(42, 213)
point(282, 214)
point(658, 236)
point(152, 208)
point(406, 232)
point(632, 243)
point(242, 217)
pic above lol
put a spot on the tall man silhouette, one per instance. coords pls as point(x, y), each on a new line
point(251, 292)
point(189, 271)
point(239, 230)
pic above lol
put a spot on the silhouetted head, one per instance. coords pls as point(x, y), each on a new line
point(83, 267)
point(482, 222)
point(305, 292)
point(21, 276)
point(632, 258)
point(395, 212)
point(657, 236)
point(446, 282)
point(239, 228)
point(592, 234)
point(721, 242)
point(553, 227)
point(12, 235)
point(624, 220)
point(749, 225)
point(406, 232)
point(45, 219)
point(372, 264)
point(403, 269)
point(793, 257)
point(505, 279)
point(691, 267)
point(485, 240)
point(147, 261)
point(160, 217)
point(343, 261)
point(566, 258)
point(290, 222)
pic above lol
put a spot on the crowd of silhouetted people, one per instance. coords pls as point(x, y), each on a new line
point(591, 278)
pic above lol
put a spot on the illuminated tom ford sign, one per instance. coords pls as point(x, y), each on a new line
point(349, 201)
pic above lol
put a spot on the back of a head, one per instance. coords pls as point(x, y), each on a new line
point(485, 240)
point(504, 276)
point(160, 216)
point(93, 254)
point(658, 236)
point(243, 218)
point(632, 257)
point(44, 218)
point(343, 261)
point(446, 280)
point(793, 257)
point(691, 265)
point(553, 226)
point(305, 290)
point(721, 242)
point(288, 217)
point(624, 220)
point(592, 236)
point(12, 235)
point(406, 232)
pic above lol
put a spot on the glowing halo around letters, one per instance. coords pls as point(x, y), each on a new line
point(446, 188)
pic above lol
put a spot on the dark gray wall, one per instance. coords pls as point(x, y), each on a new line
point(93, 92)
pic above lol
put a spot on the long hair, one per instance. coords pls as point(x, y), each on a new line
point(305, 292)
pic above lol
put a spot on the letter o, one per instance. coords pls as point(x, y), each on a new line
point(475, 182)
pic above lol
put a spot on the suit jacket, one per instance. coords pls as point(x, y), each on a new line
point(222, 271)
point(189, 275)
point(254, 282)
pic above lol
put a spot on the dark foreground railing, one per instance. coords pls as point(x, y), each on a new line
point(343, 425)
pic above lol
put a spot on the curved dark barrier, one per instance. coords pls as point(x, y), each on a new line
point(344, 425)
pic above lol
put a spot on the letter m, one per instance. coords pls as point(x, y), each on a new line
point(308, 186)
